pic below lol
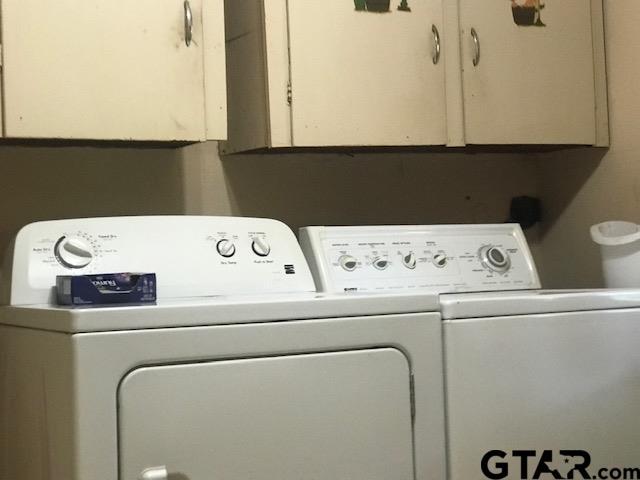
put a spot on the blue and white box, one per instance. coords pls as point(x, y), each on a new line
point(106, 289)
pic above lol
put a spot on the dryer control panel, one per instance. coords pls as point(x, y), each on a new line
point(192, 256)
point(440, 258)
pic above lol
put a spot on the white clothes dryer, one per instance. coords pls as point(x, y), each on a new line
point(240, 371)
point(539, 384)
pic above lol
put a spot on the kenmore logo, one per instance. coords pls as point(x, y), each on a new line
point(352, 289)
point(290, 269)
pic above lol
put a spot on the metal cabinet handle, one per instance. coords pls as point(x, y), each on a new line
point(188, 23)
point(476, 43)
point(155, 473)
point(436, 44)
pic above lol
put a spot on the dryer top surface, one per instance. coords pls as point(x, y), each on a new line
point(223, 310)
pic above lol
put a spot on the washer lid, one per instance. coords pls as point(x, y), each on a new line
point(497, 304)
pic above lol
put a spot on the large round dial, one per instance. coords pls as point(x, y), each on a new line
point(73, 252)
point(261, 247)
point(226, 248)
point(495, 259)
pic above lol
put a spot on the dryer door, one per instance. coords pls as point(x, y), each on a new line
point(341, 415)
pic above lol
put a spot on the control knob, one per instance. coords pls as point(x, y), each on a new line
point(380, 263)
point(72, 252)
point(495, 259)
point(261, 247)
point(348, 263)
point(226, 248)
point(409, 261)
point(440, 260)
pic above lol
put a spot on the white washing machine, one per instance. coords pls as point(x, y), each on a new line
point(551, 375)
point(241, 371)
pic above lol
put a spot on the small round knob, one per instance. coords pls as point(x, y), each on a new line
point(380, 263)
point(73, 252)
point(348, 263)
point(495, 259)
point(261, 247)
point(409, 261)
point(440, 260)
point(226, 248)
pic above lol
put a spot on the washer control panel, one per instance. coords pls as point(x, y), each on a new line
point(191, 256)
point(441, 258)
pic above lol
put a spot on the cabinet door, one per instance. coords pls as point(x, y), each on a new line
point(361, 77)
point(215, 71)
point(533, 84)
point(102, 69)
point(323, 417)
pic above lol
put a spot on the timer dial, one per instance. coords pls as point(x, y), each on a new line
point(495, 259)
point(73, 252)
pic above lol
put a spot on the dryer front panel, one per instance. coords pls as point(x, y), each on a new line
point(341, 415)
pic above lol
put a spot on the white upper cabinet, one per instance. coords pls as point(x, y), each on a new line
point(365, 78)
point(331, 73)
point(114, 69)
point(335, 73)
point(528, 72)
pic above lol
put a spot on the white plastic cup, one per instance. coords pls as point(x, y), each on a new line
point(620, 249)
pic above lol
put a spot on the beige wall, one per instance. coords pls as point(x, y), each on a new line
point(583, 187)
point(38, 183)
point(364, 189)
point(45, 183)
